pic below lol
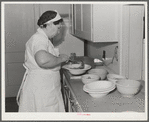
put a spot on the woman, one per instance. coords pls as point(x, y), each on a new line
point(40, 90)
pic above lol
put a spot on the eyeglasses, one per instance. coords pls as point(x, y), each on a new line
point(57, 22)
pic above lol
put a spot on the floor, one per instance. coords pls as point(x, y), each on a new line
point(11, 105)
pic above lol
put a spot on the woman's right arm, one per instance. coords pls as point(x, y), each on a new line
point(46, 60)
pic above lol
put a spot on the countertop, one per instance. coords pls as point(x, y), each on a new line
point(113, 102)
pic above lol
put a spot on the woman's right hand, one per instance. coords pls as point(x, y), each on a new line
point(64, 57)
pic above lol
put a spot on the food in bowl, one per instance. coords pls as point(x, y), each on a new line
point(87, 78)
point(101, 72)
point(77, 71)
point(127, 87)
point(115, 77)
point(76, 65)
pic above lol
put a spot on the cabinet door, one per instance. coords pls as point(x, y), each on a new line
point(71, 19)
point(87, 21)
point(105, 22)
point(82, 17)
point(19, 26)
point(97, 22)
point(132, 41)
point(77, 19)
point(136, 41)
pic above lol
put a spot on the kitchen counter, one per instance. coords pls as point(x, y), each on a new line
point(113, 102)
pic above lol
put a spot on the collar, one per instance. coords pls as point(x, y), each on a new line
point(39, 30)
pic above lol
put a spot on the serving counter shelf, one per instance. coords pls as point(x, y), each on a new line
point(80, 101)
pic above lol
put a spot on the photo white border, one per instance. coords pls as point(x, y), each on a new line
point(68, 116)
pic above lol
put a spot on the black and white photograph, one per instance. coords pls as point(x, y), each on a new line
point(74, 60)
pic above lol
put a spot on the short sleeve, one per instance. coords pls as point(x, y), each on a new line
point(39, 43)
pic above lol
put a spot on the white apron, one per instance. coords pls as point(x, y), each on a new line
point(40, 91)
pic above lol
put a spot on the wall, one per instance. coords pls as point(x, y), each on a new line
point(20, 24)
point(71, 44)
point(68, 43)
point(130, 44)
point(95, 50)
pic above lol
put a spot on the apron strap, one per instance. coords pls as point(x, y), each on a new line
point(24, 77)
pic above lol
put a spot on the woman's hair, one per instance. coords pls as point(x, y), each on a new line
point(46, 16)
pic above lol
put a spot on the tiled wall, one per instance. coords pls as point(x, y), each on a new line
point(95, 50)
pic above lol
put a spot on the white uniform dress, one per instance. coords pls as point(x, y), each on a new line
point(40, 90)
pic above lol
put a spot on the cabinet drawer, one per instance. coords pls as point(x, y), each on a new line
point(70, 101)
point(74, 104)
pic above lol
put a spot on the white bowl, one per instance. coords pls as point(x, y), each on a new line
point(77, 71)
point(88, 78)
point(128, 88)
point(99, 89)
point(115, 77)
point(100, 94)
point(98, 62)
point(97, 86)
point(101, 72)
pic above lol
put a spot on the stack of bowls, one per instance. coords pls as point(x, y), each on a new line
point(128, 88)
point(88, 78)
point(115, 77)
point(99, 89)
point(100, 72)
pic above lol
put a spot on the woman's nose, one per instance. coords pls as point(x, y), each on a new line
point(60, 26)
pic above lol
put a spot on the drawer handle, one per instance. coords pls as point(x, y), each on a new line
point(72, 101)
point(66, 87)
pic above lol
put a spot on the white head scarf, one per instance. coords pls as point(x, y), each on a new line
point(58, 17)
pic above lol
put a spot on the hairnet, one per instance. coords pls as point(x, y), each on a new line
point(57, 17)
